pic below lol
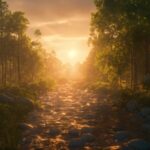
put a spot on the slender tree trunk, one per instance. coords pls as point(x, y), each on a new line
point(147, 61)
point(132, 68)
point(2, 71)
point(18, 62)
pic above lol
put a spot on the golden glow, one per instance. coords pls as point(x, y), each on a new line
point(72, 54)
point(61, 31)
point(69, 50)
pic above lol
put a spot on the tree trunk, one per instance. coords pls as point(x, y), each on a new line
point(147, 63)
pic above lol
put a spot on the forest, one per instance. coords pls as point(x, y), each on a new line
point(100, 104)
point(120, 39)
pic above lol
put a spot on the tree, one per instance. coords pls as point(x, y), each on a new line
point(119, 35)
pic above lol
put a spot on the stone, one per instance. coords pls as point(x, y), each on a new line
point(88, 138)
point(146, 127)
point(145, 111)
point(132, 106)
point(121, 136)
point(138, 144)
point(89, 116)
point(113, 148)
point(25, 126)
point(87, 130)
point(148, 118)
point(118, 128)
point(54, 132)
point(72, 133)
point(4, 99)
point(25, 101)
point(76, 144)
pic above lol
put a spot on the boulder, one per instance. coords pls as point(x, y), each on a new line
point(145, 111)
point(76, 144)
point(138, 144)
point(87, 130)
point(89, 116)
point(4, 99)
point(88, 138)
point(146, 127)
point(73, 133)
point(121, 136)
point(132, 106)
point(113, 148)
point(25, 126)
point(25, 101)
point(54, 132)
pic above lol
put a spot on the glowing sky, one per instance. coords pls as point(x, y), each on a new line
point(64, 23)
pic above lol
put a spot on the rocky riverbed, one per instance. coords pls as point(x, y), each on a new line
point(75, 119)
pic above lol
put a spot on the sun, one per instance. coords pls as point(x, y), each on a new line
point(72, 54)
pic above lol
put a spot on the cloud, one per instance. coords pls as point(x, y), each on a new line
point(63, 27)
point(46, 10)
point(63, 23)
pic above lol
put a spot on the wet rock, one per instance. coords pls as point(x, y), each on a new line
point(132, 106)
point(87, 138)
point(72, 133)
point(25, 101)
point(76, 144)
point(146, 127)
point(147, 119)
point(91, 122)
point(87, 130)
point(4, 99)
point(118, 128)
point(88, 116)
point(138, 144)
point(54, 132)
point(121, 136)
point(25, 126)
point(113, 148)
point(145, 111)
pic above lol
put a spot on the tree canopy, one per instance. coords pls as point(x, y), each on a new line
point(120, 36)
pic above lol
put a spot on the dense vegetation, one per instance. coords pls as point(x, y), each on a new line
point(119, 62)
point(22, 60)
point(26, 72)
point(120, 36)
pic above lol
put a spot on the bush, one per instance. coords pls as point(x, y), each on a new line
point(10, 117)
point(126, 95)
point(15, 103)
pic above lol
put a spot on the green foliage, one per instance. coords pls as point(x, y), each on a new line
point(22, 60)
point(122, 97)
point(10, 117)
point(25, 73)
point(120, 36)
point(19, 92)
point(40, 88)
point(100, 88)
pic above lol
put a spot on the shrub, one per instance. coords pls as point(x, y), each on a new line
point(126, 95)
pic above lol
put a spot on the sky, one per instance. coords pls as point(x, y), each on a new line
point(64, 24)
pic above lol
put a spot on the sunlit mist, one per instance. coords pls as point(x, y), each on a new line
point(64, 25)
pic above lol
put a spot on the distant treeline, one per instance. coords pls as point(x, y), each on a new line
point(22, 60)
point(120, 37)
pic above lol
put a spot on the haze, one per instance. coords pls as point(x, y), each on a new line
point(64, 24)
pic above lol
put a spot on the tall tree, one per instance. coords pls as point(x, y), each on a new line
point(120, 34)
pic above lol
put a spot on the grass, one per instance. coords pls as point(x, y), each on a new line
point(10, 117)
